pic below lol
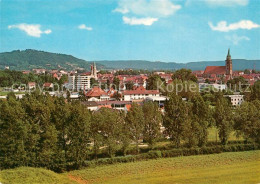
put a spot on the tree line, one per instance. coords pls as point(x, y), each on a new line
point(12, 77)
point(44, 131)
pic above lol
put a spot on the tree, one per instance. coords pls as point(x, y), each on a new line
point(79, 133)
point(129, 85)
point(224, 119)
point(125, 136)
point(246, 71)
point(93, 82)
point(116, 82)
point(110, 128)
point(255, 91)
point(14, 133)
point(154, 82)
point(175, 118)
point(152, 122)
point(184, 75)
point(247, 121)
point(135, 121)
point(201, 115)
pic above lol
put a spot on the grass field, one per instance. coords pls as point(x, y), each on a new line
point(237, 167)
point(28, 175)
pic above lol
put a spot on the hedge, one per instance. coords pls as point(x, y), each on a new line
point(155, 154)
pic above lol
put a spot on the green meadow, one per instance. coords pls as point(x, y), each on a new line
point(236, 167)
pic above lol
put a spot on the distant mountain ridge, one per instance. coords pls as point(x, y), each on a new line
point(29, 59)
point(238, 64)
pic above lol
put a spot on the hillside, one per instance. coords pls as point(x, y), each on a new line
point(29, 59)
point(236, 167)
point(238, 64)
point(32, 175)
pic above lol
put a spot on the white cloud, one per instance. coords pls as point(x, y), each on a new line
point(227, 2)
point(83, 26)
point(224, 27)
point(31, 29)
point(236, 39)
point(148, 21)
point(149, 8)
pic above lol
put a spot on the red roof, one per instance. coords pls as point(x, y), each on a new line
point(31, 83)
point(96, 92)
point(220, 70)
point(47, 84)
point(140, 90)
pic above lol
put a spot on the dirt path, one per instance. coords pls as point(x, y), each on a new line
point(77, 179)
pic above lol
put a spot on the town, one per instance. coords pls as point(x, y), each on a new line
point(129, 91)
point(114, 89)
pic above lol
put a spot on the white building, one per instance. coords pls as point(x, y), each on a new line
point(139, 94)
point(79, 82)
point(236, 99)
point(82, 81)
point(217, 87)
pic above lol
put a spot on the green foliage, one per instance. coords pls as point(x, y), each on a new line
point(175, 119)
point(135, 121)
point(184, 75)
point(129, 85)
point(152, 122)
point(13, 78)
point(255, 91)
point(224, 119)
point(154, 81)
point(110, 125)
point(247, 121)
point(29, 59)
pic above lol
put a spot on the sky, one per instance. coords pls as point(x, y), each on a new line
point(155, 30)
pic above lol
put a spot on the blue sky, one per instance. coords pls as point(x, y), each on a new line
point(156, 30)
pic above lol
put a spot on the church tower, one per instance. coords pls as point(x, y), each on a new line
point(229, 64)
point(94, 70)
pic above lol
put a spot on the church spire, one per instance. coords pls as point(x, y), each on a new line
point(228, 55)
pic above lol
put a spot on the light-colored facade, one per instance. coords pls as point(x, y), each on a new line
point(218, 87)
point(79, 82)
point(236, 99)
point(138, 96)
point(82, 81)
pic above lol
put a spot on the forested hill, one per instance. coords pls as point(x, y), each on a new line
point(238, 64)
point(29, 59)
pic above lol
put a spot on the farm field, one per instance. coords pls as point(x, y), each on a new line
point(236, 167)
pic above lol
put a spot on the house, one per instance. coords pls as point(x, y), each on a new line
point(97, 94)
point(118, 105)
point(236, 99)
point(140, 93)
point(48, 85)
point(31, 85)
point(39, 71)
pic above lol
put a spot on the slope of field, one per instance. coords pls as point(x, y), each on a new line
point(32, 175)
point(239, 167)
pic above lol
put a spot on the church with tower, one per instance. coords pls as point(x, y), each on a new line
point(220, 71)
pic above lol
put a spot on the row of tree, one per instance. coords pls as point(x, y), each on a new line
point(11, 77)
point(44, 131)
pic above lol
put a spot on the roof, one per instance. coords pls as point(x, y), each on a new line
point(139, 91)
point(96, 92)
point(31, 83)
point(215, 70)
point(47, 84)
